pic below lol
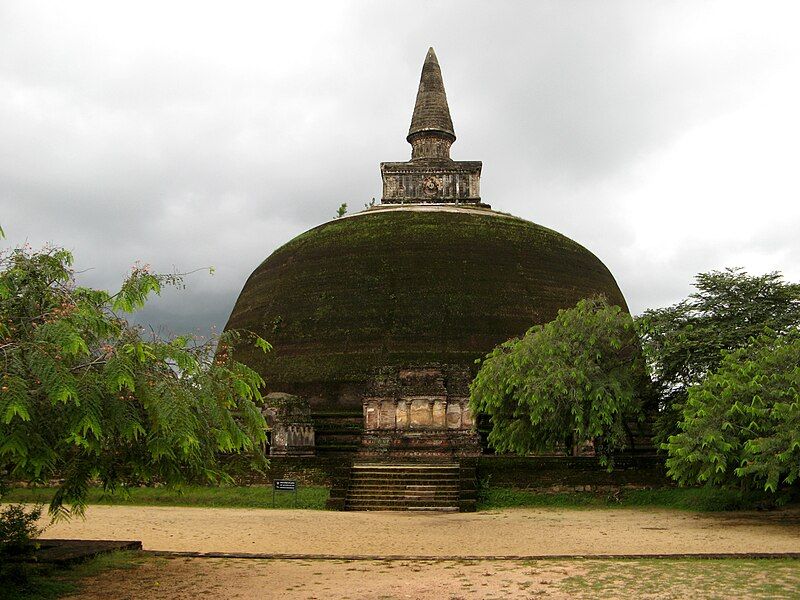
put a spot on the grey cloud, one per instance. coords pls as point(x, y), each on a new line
point(185, 137)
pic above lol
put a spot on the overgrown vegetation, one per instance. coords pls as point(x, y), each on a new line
point(87, 397)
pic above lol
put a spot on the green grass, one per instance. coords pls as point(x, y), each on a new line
point(684, 578)
point(693, 499)
point(312, 497)
point(30, 581)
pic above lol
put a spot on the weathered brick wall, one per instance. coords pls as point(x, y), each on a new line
point(565, 473)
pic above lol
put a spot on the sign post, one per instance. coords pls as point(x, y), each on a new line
point(284, 485)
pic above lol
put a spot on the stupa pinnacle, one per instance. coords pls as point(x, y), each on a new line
point(431, 117)
point(431, 176)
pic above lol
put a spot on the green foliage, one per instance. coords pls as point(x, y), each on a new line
point(574, 379)
point(342, 210)
point(18, 530)
point(85, 396)
point(741, 424)
point(685, 342)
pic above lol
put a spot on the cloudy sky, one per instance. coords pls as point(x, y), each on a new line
point(663, 136)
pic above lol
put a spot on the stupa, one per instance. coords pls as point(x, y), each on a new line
point(377, 318)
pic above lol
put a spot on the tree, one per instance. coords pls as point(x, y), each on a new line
point(85, 396)
point(685, 342)
point(342, 210)
point(574, 379)
point(741, 424)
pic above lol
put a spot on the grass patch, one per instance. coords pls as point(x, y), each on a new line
point(685, 578)
point(30, 581)
point(309, 497)
point(692, 499)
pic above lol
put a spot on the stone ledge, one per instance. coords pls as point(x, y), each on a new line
point(474, 557)
point(68, 551)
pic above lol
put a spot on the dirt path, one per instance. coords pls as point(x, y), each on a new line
point(189, 579)
point(519, 532)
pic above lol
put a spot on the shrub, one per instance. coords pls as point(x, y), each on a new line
point(19, 530)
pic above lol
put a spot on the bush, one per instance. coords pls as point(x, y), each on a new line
point(18, 533)
point(19, 530)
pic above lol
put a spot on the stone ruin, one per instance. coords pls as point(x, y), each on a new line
point(290, 426)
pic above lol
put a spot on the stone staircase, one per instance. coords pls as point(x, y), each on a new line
point(404, 486)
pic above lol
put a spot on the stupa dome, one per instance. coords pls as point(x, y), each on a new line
point(406, 284)
point(430, 277)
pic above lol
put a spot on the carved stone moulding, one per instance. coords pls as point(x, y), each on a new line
point(418, 398)
point(427, 181)
point(289, 420)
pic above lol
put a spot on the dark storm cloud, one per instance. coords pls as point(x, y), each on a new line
point(191, 135)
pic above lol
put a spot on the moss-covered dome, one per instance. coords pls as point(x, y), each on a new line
point(405, 284)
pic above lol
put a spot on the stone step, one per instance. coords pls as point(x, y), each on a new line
point(400, 504)
point(404, 494)
point(407, 472)
point(402, 488)
point(404, 482)
point(408, 476)
point(401, 494)
point(377, 507)
point(410, 465)
point(421, 484)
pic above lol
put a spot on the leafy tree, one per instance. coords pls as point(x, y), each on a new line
point(574, 379)
point(85, 396)
point(741, 425)
point(685, 342)
point(342, 210)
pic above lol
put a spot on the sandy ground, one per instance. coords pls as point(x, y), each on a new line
point(517, 532)
point(189, 579)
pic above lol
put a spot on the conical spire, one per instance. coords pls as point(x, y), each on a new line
point(431, 176)
point(431, 113)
